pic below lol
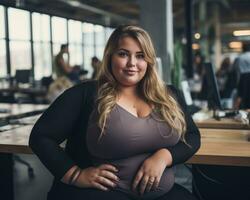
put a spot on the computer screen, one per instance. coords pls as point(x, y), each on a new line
point(210, 87)
point(23, 75)
point(186, 92)
point(159, 67)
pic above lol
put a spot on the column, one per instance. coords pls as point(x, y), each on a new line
point(156, 18)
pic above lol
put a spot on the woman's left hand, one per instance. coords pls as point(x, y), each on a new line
point(150, 172)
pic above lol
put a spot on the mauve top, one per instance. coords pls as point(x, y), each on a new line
point(128, 140)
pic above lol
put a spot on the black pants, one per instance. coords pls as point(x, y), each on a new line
point(72, 193)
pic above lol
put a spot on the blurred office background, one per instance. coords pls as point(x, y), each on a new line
point(32, 31)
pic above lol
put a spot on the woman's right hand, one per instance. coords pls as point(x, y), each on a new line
point(102, 177)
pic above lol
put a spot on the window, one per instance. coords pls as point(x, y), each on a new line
point(75, 31)
point(99, 40)
point(19, 28)
point(42, 48)
point(85, 41)
point(41, 27)
point(3, 64)
point(89, 51)
point(2, 22)
point(19, 33)
point(75, 42)
point(59, 33)
point(20, 55)
point(108, 32)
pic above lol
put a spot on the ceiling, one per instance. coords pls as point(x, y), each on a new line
point(234, 14)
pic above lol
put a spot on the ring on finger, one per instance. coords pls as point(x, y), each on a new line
point(151, 181)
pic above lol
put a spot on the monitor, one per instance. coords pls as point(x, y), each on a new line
point(159, 67)
point(23, 75)
point(186, 92)
point(210, 88)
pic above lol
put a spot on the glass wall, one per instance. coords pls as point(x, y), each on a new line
point(108, 32)
point(75, 42)
point(99, 40)
point(44, 34)
point(42, 47)
point(89, 50)
point(20, 47)
point(3, 64)
point(59, 33)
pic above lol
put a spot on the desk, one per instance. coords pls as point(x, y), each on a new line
point(11, 142)
point(223, 123)
point(218, 147)
point(21, 110)
point(229, 147)
point(31, 94)
point(14, 141)
point(29, 91)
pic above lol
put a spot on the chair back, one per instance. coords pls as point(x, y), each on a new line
point(244, 91)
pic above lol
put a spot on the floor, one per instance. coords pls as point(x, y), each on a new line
point(36, 188)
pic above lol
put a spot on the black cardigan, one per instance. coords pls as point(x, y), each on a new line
point(67, 118)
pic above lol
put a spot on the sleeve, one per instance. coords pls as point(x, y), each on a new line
point(53, 127)
point(182, 151)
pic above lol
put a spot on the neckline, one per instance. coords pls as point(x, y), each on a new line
point(145, 117)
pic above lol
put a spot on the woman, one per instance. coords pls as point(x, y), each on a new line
point(124, 134)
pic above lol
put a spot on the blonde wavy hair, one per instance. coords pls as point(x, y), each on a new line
point(151, 88)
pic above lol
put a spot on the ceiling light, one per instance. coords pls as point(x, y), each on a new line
point(241, 33)
point(197, 36)
point(195, 46)
point(235, 45)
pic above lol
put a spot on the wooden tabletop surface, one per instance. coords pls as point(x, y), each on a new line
point(223, 147)
point(223, 123)
point(218, 146)
point(15, 140)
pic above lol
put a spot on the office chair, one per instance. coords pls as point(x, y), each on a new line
point(46, 81)
point(30, 169)
point(243, 90)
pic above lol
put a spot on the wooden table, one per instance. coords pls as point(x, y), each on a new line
point(218, 146)
point(228, 147)
point(204, 119)
point(223, 123)
point(14, 141)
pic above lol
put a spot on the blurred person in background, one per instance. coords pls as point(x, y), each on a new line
point(96, 65)
point(62, 66)
point(242, 62)
point(227, 78)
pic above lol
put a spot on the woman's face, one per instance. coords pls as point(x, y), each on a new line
point(127, 62)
